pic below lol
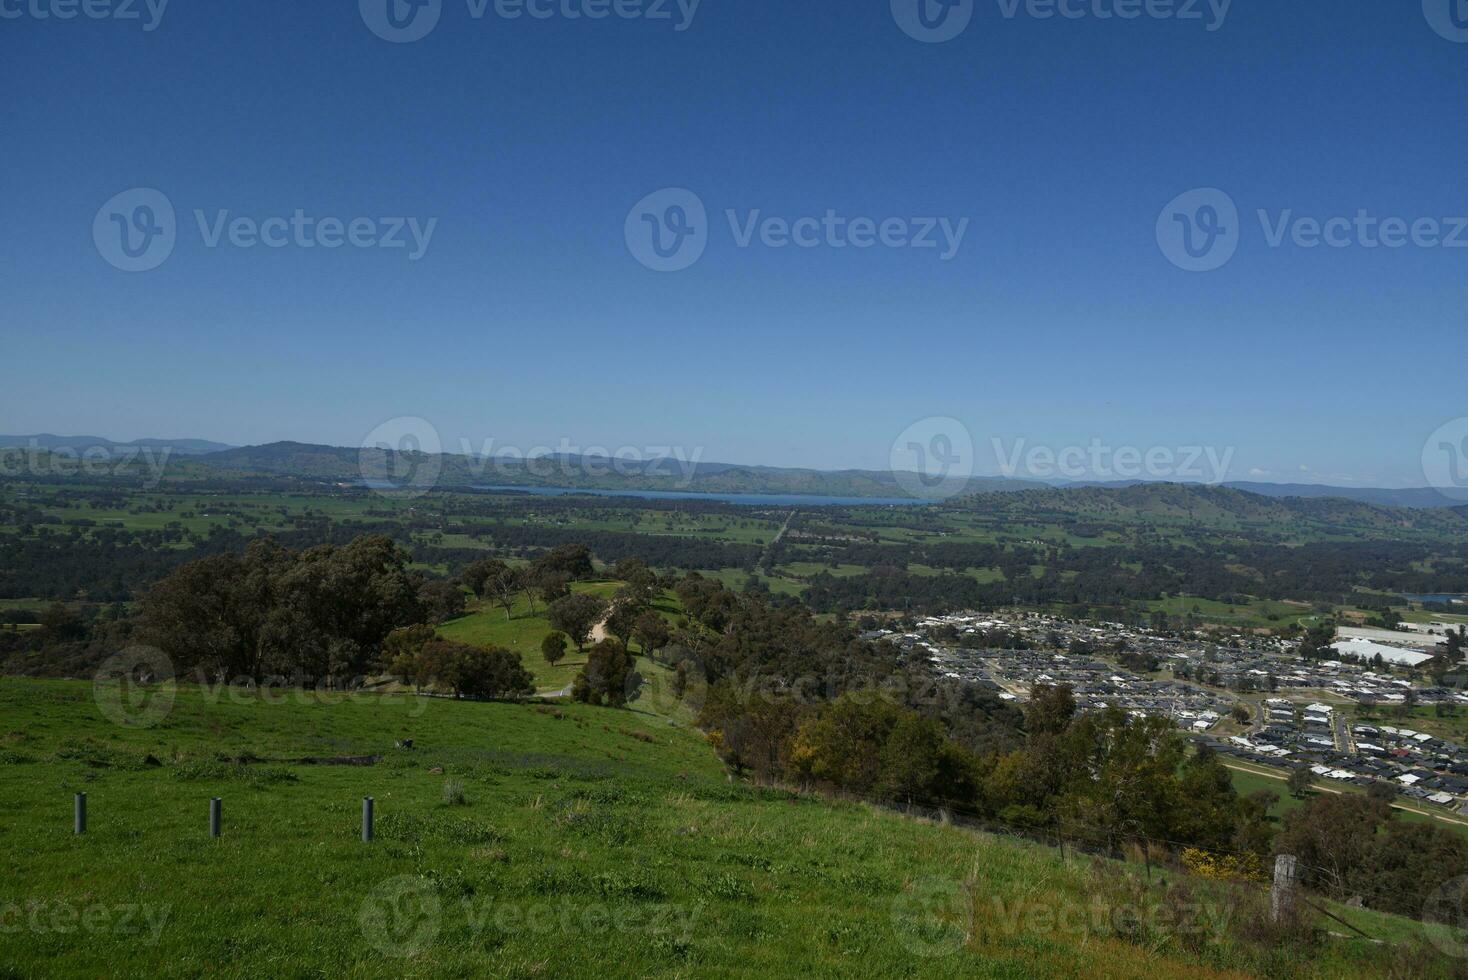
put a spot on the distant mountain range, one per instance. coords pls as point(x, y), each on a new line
point(349, 465)
point(179, 447)
point(341, 464)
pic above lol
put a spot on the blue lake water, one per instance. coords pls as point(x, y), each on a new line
point(1438, 597)
point(751, 499)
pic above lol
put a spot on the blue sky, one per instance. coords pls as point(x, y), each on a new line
point(528, 321)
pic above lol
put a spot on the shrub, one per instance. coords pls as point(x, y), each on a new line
point(1223, 867)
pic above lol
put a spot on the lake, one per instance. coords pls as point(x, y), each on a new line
point(750, 499)
point(1445, 598)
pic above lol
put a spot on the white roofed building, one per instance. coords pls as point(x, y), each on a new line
point(1364, 650)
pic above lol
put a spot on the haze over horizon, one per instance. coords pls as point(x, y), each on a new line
point(1215, 468)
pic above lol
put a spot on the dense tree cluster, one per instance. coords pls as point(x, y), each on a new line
point(1320, 571)
point(318, 614)
point(609, 677)
point(103, 565)
point(792, 699)
point(1350, 845)
point(876, 748)
point(1106, 775)
point(423, 659)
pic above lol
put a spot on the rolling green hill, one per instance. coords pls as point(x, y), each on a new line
point(538, 840)
point(1163, 504)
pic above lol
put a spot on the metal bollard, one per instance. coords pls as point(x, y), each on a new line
point(366, 819)
point(216, 807)
point(81, 813)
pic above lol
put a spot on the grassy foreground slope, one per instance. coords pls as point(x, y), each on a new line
point(593, 842)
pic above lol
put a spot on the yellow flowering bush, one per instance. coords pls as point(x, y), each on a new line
point(1223, 867)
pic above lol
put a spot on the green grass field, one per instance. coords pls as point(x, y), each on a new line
point(592, 842)
point(486, 625)
point(1259, 613)
point(1249, 780)
point(1423, 718)
point(805, 569)
point(1419, 616)
point(734, 578)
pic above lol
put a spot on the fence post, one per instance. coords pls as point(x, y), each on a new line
point(1282, 895)
point(80, 814)
point(216, 807)
point(366, 819)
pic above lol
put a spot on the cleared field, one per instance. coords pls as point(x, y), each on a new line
point(1422, 718)
point(984, 575)
point(1249, 782)
point(805, 569)
point(1260, 613)
point(1248, 778)
point(734, 578)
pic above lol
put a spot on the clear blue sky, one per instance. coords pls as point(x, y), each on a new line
point(528, 321)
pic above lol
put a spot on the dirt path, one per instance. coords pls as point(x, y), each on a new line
point(599, 631)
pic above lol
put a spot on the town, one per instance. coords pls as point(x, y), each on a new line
point(1252, 698)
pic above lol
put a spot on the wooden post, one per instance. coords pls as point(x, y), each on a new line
point(216, 806)
point(366, 819)
point(1282, 895)
point(80, 814)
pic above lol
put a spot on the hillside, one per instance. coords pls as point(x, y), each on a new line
point(1386, 497)
point(1163, 504)
point(590, 840)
